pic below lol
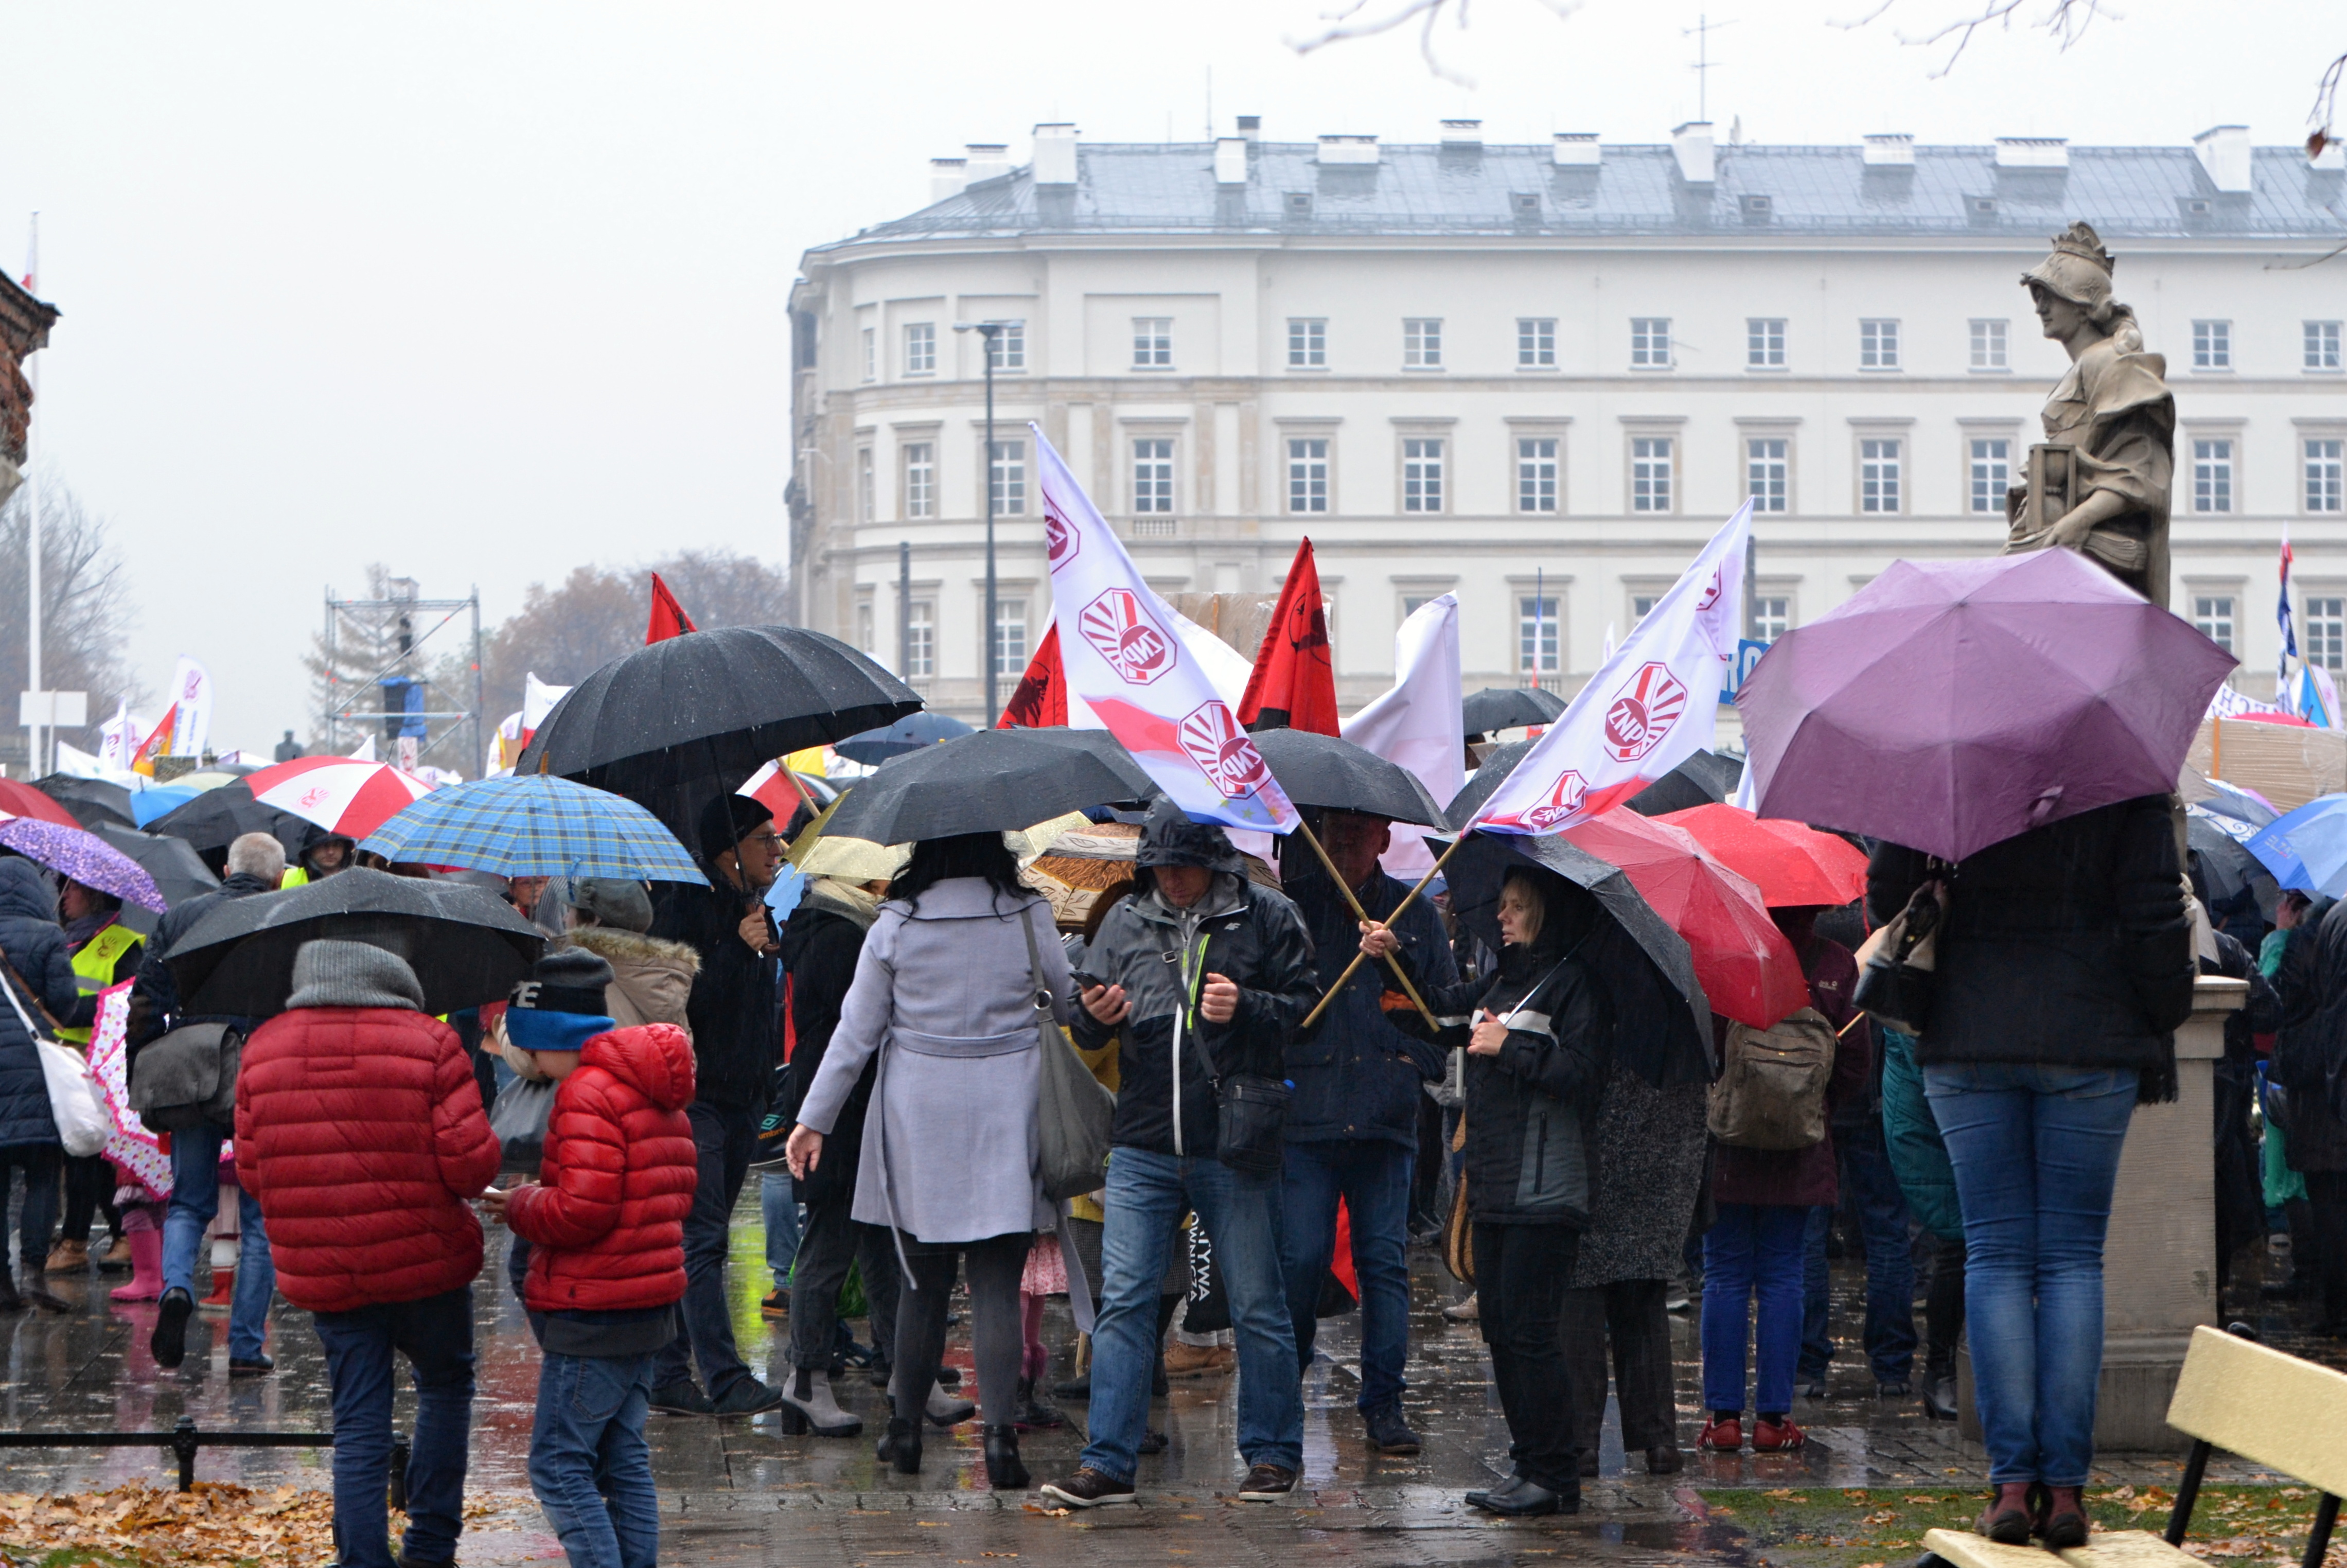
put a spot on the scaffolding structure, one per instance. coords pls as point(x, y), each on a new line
point(393, 634)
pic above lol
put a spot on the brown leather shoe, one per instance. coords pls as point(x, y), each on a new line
point(2006, 1518)
point(1198, 1360)
point(2060, 1518)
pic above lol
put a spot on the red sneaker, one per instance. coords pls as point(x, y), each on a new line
point(1724, 1435)
point(1775, 1437)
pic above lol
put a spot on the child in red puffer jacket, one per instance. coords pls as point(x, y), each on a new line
point(606, 1220)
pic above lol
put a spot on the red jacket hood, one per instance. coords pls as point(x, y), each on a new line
point(654, 1058)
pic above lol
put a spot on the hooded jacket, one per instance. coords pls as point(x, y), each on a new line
point(736, 997)
point(36, 949)
point(1250, 935)
point(606, 1219)
point(651, 979)
point(154, 995)
point(360, 1129)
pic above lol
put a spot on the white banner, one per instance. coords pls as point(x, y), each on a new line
point(538, 699)
point(1416, 724)
point(191, 704)
point(1124, 659)
point(1649, 707)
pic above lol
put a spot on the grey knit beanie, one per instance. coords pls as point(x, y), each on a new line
point(330, 974)
point(613, 901)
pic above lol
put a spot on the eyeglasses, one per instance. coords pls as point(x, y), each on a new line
point(766, 840)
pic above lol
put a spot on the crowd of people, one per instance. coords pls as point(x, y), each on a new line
point(876, 1057)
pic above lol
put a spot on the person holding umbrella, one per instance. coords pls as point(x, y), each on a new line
point(106, 953)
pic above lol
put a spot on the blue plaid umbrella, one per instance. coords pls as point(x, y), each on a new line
point(535, 824)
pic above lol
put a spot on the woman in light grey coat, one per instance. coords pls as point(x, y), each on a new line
point(945, 990)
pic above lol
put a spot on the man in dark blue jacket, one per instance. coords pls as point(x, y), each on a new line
point(1352, 1130)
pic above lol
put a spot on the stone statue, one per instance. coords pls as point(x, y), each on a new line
point(2099, 484)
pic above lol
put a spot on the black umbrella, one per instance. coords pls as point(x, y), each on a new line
point(179, 873)
point(1337, 775)
point(466, 945)
point(1705, 778)
point(1509, 708)
point(679, 723)
point(2227, 869)
point(909, 734)
point(994, 779)
point(1662, 1022)
point(1497, 764)
point(218, 817)
point(90, 801)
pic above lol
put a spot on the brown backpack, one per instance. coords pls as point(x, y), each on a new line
point(1771, 1090)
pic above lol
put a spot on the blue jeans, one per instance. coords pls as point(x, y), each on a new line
point(1753, 1249)
point(1869, 1193)
point(589, 1463)
point(2036, 1152)
point(1147, 1196)
point(779, 1208)
point(195, 1199)
point(435, 1335)
point(1372, 1177)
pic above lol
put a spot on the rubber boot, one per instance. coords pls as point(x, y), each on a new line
point(223, 1290)
point(146, 1267)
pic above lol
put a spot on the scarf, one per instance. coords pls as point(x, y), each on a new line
point(847, 900)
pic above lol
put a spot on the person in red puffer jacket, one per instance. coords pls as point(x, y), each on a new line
point(606, 1221)
point(359, 1129)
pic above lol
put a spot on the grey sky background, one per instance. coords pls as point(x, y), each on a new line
point(489, 290)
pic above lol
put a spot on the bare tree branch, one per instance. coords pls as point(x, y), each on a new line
point(85, 606)
point(1342, 26)
point(2066, 20)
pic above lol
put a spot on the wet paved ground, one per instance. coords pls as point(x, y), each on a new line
point(739, 1492)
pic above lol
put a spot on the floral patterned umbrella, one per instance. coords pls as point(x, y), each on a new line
point(82, 856)
point(128, 1144)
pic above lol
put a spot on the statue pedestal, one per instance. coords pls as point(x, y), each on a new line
point(2159, 1263)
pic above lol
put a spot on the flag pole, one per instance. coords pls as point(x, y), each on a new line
point(1392, 959)
point(1430, 874)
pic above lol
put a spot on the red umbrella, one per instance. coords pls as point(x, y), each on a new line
point(341, 795)
point(1748, 970)
point(1793, 864)
point(24, 800)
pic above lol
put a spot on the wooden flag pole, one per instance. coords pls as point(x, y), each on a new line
point(1413, 893)
point(1393, 960)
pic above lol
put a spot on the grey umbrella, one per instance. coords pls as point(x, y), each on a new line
point(2227, 867)
point(1705, 778)
point(992, 780)
point(1509, 708)
point(179, 873)
point(91, 801)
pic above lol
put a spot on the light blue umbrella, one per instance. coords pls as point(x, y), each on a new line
point(161, 800)
point(2307, 848)
point(535, 824)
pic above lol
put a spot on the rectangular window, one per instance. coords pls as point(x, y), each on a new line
point(1878, 345)
point(1009, 479)
point(1536, 473)
point(1152, 342)
point(864, 484)
point(2212, 345)
point(1988, 344)
point(1535, 342)
point(1307, 475)
point(920, 479)
point(1422, 343)
point(1764, 342)
point(1536, 634)
point(2323, 481)
point(1650, 342)
point(1650, 473)
point(1764, 465)
point(1308, 343)
point(1878, 476)
point(920, 348)
point(2212, 616)
point(921, 639)
point(1421, 474)
point(1010, 637)
point(1153, 476)
point(2322, 345)
point(1642, 605)
point(1991, 471)
point(1412, 602)
point(1007, 349)
point(871, 354)
point(2212, 475)
point(1771, 618)
point(2324, 637)
point(864, 627)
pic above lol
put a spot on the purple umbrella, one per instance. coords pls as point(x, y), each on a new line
point(1948, 705)
point(84, 857)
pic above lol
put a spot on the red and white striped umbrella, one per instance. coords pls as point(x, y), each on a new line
point(341, 795)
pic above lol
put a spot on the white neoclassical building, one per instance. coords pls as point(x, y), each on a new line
point(1538, 376)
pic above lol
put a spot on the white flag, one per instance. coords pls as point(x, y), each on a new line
point(1416, 723)
point(1651, 706)
point(192, 702)
point(1123, 658)
point(366, 752)
point(538, 699)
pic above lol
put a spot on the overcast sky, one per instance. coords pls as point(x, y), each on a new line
point(487, 290)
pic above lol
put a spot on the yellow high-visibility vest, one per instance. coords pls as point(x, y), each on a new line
point(94, 968)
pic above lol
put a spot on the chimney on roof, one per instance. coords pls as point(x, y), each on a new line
point(1890, 148)
point(1055, 153)
point(1231, 161)
point(947, 176)
point(1458, 133)
point(1250, 127)
point(1348, 149)
point(2032, 152)
point(2224, 151)
point(1576, 150)
point(2332, 156)
point(1691, 145)
point(988, 159)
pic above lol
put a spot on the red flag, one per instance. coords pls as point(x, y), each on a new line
point(669, 619)
point(1294, 686)
point(1040, 698)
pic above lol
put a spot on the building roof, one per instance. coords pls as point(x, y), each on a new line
point(2126, 192)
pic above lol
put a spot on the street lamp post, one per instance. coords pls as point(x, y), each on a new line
point(990, 331)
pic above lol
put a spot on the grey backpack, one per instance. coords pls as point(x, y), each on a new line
point(1772, 1090)
point(187, 1078)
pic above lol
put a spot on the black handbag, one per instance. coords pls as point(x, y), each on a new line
point(1250, 1116)
point(1898, 979)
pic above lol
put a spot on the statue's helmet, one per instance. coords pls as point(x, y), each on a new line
point(2078, 269)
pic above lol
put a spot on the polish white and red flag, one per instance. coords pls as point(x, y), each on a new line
point(1126, 661)
point(1653, 703)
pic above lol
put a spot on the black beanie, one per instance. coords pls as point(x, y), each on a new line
point(727, 820)
point(568, 979)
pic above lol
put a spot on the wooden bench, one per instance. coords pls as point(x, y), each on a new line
point(2235, 1394)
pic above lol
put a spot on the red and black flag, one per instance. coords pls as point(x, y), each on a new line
point(1294, 686)
point(669, 619)
point(1041, 698)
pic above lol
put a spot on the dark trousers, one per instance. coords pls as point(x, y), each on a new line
point(1943, 1307)
point(41, 1163)
point(1631, 1312)
point(2326, 1201)
point(1521, 1276)
point(1871, 1200)
point(435, 1335)
point(723, 1137)
point(1426, 1173)
point(90, 1190)
point(829, 1242)
point(997, 1341)
point(1372, 1179)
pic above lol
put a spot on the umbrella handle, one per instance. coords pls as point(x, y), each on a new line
point(1314, 1017)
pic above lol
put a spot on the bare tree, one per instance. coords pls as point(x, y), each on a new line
point(1347, 21)
point(85, 614)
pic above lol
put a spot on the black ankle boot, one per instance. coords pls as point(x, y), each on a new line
point(902, 1446)
point(1003, 1471)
